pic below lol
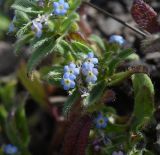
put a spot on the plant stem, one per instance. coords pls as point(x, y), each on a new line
point(115, 18)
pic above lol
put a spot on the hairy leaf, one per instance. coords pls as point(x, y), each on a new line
point(144, 99)
point(34, 87)
point(54, 75)
point(95, 94)
point(39, 54)
point(21, 42)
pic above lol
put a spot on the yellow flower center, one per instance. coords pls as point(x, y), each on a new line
point(67, 82)
point(101, 121)
point(90, 73)
point(61, 7)
point(89, 60)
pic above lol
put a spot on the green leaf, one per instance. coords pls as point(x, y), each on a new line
point(69, 103)
point(38, 42)
point(98, 40)
point(68, 21)
point(80, 49)
point(21, 42)
point(3, 115)
point(21, 17)
point(74, 4)
point(53, 75)
point(23, 30)
point(34, 87)
point(12, 133)
point(40, 53)
point(144, 99)
point(26, 6)
point(120, 77)
point(116, 128)
point(3, 25)
point(69, 53)
point(7, 94)
point(21, 121)
point(95, 94)
point(118, 58)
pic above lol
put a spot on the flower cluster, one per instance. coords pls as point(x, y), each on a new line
point(60, 8)
point(37, 27)
point(117, 39)
point(101, 121)
point(37, 24)
point(88, 68)
point(10, 149)
point(70, 74)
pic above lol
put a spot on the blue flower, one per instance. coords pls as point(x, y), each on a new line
point(37, 27)
point(10, 149)
point(118, 153)
point(67, 82)
point(88, 68)
point(101, 121)
point(61, 7)
point(117, 39)
point(11, 28)
point(71, 70)
point(91, 74)
point(90, 61)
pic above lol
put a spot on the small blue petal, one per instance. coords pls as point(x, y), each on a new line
point(66, 68)
point(66, 6)
point(63, 12)
point(94, 79)
point(61, 1)
point(95, 71)
point(55, 4)
point(66, 87)
point(39, 25)
point(95, 60)
point(72, 65)
point(87, 65)
point(72, 77)
point(39, 34)
point(66, 76)
point(10, 149)
point(62, 82)
point(57, 11)
point(88, 79)
point(11, 27)
point(76, 71)
point(72, 84)
point(117, 39)
point(90, 55)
